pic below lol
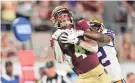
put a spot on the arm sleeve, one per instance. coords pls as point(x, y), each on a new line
point(58, 52)
point(110, 33)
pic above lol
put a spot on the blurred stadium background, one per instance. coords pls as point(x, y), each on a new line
point(116, 15)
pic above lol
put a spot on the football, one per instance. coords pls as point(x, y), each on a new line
point(64, 46)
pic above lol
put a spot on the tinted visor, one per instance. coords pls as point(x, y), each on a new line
point(95, 25)
point(60, 12)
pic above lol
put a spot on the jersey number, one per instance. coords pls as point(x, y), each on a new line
point(102, 55)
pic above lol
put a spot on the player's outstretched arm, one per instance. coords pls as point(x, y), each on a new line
point(91, 46)
point(92, 34)
point(97, 36)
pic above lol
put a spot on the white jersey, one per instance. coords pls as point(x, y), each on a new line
point(107, 57)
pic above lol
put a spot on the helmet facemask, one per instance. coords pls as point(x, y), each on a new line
point(62, 23)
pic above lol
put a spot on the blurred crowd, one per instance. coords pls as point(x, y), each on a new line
point(39, 12)
point(9, 47)
point(116, 15)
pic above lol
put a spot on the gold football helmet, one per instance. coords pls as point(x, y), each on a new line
point(99, 25)
point(57, 11)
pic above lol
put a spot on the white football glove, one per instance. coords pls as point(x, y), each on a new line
point(72, 39)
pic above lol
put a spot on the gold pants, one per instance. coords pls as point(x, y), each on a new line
point(97, 75)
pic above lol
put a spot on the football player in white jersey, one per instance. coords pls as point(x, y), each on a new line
point(107, 54)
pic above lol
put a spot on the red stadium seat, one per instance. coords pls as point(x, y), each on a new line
point(28, 73)
point(27, 60)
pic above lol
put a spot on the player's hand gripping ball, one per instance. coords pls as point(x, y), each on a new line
point(64, 46)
